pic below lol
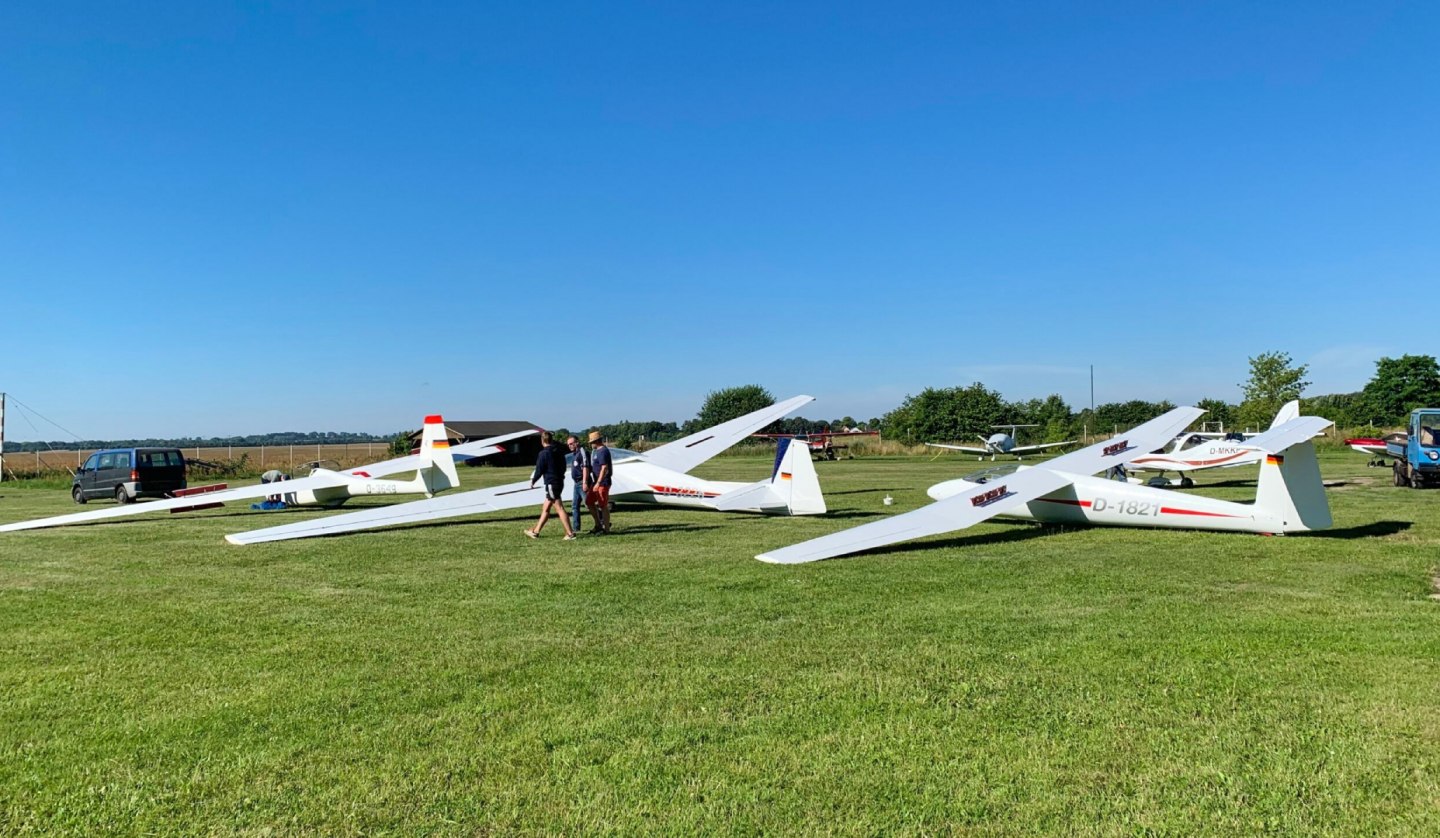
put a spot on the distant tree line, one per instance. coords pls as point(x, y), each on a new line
point(1399, 386)
point(962, 413)
point(250, 441)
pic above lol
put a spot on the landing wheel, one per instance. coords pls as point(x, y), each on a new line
point(77, 494)
point(121, 497)
point(1187, 483)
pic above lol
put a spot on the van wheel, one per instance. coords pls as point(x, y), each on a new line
point(120, 495)
point(77, 494)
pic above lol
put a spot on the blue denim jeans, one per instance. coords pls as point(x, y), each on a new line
point(577, 504)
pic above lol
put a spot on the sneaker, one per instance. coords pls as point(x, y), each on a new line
point(532, 534)
point(570, 537)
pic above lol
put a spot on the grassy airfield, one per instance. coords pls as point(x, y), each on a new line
point(457, 678)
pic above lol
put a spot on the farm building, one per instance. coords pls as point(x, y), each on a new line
point(518, 452)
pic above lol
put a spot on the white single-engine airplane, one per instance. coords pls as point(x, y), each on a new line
point(658, 476)
point(1199, 451)
point(1001, 444)
point(434, 472)
point(1289, 497)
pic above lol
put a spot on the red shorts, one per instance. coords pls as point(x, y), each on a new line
point(598, 496)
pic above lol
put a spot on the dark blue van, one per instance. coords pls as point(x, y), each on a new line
point(126, 474)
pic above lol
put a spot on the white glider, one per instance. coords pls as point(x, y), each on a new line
point(434, 472)
point(660, 476)
point(1289, 497)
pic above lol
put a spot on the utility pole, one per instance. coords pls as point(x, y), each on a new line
point(1092, 389)
point(2, 437)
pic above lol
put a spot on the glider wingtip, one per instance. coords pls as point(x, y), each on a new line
point(776, 558)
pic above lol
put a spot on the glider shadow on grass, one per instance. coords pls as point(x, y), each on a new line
point(1376, 529)
point(1017, 533)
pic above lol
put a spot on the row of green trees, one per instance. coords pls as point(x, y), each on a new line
point(950, 413)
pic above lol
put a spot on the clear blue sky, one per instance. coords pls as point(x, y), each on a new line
point(241, 218)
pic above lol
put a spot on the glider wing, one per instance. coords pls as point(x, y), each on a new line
point(455, 505)
point(954, 513)
point(688, 452)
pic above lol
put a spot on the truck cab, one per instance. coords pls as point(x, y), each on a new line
point(1417, 458)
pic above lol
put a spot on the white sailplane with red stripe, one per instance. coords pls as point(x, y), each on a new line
point(1289, 496)
point(434, 466)
point(1191, 452)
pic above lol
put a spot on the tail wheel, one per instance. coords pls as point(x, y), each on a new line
point(121, 496)
point(77, 494)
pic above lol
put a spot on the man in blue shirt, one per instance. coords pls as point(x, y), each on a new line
point(550, 465)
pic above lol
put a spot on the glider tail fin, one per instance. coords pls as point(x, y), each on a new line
point(791, 487)
point(1291, 410)
point(437, 467)
point(795, 480)
point(1290, 488)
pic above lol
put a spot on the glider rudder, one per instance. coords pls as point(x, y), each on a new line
point(437, 467)
point(795, 480)
point(1290, 488)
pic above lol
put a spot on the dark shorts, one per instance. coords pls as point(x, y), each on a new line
point(554, 491)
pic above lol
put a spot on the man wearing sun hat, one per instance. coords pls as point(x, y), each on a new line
point(602, 469)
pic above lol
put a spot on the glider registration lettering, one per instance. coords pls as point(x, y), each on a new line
point(1118, 448)
point(683, 492)
point(1126, 507)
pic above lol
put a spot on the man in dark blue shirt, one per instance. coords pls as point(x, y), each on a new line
point(550, 465)
point(602, 469)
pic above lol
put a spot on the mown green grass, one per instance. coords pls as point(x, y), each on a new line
point(456, 678)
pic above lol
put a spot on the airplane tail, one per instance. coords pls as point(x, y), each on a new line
point(795, 480)
point(437, 468)
point(1291, 410)
point(793, 485)
point(1290, 487)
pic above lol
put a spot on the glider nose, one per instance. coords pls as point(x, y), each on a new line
point(941, 491)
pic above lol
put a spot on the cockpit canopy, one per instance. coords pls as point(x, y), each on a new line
point(617, 454)
point(988, 474)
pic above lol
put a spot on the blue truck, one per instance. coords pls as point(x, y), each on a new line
point(1417, 457)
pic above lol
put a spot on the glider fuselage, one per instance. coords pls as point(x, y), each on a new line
point(1097, 501)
